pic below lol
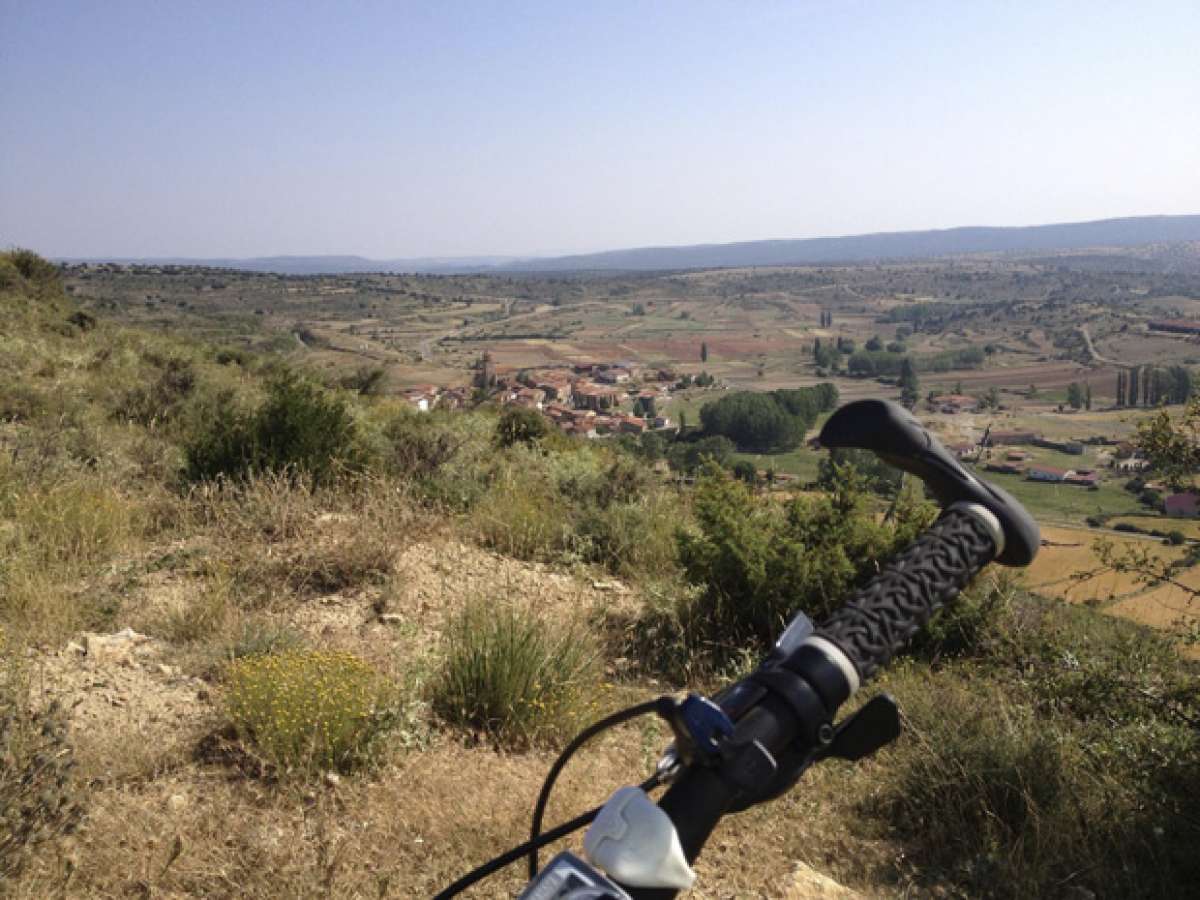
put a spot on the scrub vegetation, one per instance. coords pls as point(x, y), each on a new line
point(294, 627)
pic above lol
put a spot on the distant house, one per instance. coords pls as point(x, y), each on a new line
point(1011, 438)
point(1004, 468)
point(1016, 455)
point(1177, 326)
point(661, 422)
point(596, 397)
point(956, 403)
point(533, 397)
point(1075, 448)
point(962, 451)
point(1083, 477)
point(613, 376)
point(422, 398)
point(1047, 473)
point(555, 388)
point(1132, 464)
point(1183, 506)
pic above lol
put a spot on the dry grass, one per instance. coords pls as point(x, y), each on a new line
point(1071, 553)
point(1188, 528)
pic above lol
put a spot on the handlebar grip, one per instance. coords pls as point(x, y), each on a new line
point(881, 617)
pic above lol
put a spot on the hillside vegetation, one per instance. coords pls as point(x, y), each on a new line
point(264, 636)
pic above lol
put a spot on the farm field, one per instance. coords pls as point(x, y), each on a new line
point(1069, 552)
point(1190, 528)
point(1167, 606)
point(757, 327)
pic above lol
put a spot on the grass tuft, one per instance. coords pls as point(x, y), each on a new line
point(520, 679)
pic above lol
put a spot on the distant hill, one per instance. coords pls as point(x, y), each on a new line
point(884, 246)
point(317, 265)
point(896, 245)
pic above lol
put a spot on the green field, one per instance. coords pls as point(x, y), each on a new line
point(1067, 503)
point(801, 462)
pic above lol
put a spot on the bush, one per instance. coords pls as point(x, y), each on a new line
point(521, 516)
point(310, 711)
point(519, 425)
point(37, 786)
point(1063, 751)
point(518, 679)
point(161, 400)
point(688, 456)
point(758, 561)
point(1175, 537)
point(367, 381)
point(33, 267)
point(419, 445)
point(299, 427)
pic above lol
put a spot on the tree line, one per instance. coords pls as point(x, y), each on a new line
point(767, 422)
point(1154, 385)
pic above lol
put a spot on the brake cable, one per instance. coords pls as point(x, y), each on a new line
point(662, 706)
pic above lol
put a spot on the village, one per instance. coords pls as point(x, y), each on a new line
point(585, 399)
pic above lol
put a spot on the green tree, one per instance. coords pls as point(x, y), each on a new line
point(645, 406)
point(1074, 395)
point(519, 425)
point(703, 351)
point(754, 421)
point(910, 386)
point(688, 456)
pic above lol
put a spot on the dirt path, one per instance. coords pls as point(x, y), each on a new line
point(1091, 349)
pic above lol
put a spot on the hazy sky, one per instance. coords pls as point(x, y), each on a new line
point(408, 129)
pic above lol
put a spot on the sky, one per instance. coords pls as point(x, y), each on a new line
point(401, 129)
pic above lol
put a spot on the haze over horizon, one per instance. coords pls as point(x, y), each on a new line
point(235, 130)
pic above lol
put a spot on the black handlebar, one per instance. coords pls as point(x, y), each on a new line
point(877, 621)
point(783, 712)
point(881, 617)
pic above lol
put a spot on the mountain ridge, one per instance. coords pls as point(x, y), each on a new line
point(1128, 231)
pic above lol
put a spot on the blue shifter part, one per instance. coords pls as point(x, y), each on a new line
point(703, 723)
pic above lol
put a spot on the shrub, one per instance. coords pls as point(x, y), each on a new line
point(299, 427)
point(1175, 537)
point(973, 623)
point(515, 677)
point(519, 425)
point(160, 400)
point(634, 537)
point(38, 792)
point(759, 562)
point(419, 445)
point(367, 381)
point(521, 516)
point(310, 711)
point(33, 267)
point(1064, 751)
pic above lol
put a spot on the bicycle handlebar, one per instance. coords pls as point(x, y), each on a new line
point(857, 639)
point(784, 710)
